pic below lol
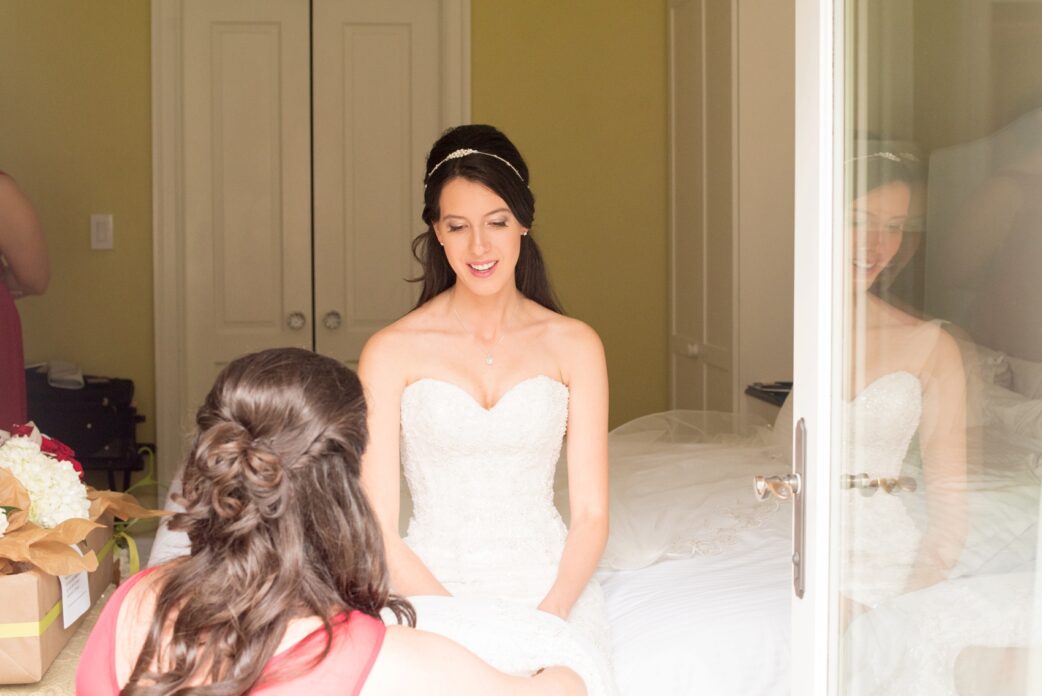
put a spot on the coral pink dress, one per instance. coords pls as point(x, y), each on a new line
point(12, 363)
point(357, 639)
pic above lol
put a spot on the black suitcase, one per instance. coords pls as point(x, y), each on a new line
point(99, 422)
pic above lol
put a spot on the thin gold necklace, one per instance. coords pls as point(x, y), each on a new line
point(488, 353)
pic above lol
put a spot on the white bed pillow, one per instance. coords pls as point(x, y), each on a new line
point(992, 366)
point(1013, 413)
point(1027, 377)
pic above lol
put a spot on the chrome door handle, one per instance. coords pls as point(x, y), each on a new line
point(332, 320)
point(296, 321)
point(799, 508)
point(791, 487)
point(784, 487)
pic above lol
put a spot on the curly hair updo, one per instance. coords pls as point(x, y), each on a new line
point(279, 525)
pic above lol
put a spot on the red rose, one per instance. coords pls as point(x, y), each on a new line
point(77, 466)
point(60, 451)
point(21, 430)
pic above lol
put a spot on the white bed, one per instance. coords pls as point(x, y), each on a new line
point(713, 624)
point(710, 614)
point(718, 621)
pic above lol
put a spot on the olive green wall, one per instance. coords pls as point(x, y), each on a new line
point(75, 132)
point(581, 88)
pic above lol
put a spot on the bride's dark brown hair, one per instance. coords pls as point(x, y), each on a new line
point(501, 169)
point(279, 526)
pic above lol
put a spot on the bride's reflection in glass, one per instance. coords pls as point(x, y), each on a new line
point(906, 379)
point(923, 610)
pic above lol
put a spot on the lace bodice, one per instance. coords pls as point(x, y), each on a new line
point(880, 423)
point(482, 481)
point(880, 538)
point(485, 524)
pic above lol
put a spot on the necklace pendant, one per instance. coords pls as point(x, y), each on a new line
point(488, 359)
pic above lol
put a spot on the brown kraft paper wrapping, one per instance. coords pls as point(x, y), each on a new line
point(27, 598)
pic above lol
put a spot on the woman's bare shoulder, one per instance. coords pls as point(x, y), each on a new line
point(929, 339)
point(398, 340)
point(573, 345)
point(895, 318)
point(564, 331)
point(140, 600)
point(945, 357)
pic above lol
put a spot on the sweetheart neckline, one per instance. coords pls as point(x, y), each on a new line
point(471, 397)
point(880, 378)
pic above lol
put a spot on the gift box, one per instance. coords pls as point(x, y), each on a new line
point(31, 626)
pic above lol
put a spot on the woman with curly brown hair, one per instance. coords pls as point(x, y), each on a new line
point(286, 581)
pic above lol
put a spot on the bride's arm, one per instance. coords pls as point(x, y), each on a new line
point(942, 441)
point(587, 444)
point(379, 370)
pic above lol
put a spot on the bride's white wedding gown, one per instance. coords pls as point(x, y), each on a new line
point(879, 537)
point(485, 525)
point(909, 644)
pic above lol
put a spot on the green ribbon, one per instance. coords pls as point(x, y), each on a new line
point(31, 629)
point(135, 559)
point(120, 529)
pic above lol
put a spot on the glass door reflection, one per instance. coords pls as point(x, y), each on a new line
point(941, 453)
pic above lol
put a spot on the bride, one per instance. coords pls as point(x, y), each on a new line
point(927, 630)
point(471, 394)
point(906, 384)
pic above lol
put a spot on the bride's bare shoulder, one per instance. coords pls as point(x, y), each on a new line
point(938, 350)
point(397, 340)
point(572, 341)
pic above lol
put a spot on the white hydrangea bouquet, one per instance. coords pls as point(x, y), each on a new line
point(45, 508)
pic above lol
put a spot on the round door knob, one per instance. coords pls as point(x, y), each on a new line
point(863, 482)
point(907, 484)
point(784, 487)
point(893, 486)
point(296, 320)
point(332, 320)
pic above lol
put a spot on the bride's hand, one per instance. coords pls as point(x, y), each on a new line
point(551, 607)
point(563, 680)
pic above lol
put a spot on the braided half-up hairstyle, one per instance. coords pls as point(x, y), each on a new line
point(497, 164)
point(279, 527)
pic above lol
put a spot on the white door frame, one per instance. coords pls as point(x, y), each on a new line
point(173, 414)
point(817, 343)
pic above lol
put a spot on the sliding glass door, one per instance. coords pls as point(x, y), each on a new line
point(918, 372)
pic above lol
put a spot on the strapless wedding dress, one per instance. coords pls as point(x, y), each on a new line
point(485, 524)
point(880, 538)
point(909, 644)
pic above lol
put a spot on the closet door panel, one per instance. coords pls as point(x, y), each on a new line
point(377, 109)
point(247, 204)
point(687, 197)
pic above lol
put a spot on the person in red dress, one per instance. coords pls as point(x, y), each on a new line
point(287, 579)
point(24, 270)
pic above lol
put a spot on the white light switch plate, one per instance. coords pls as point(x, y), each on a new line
point(101, 236)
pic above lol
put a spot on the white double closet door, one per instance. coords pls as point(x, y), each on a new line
point(306, 126)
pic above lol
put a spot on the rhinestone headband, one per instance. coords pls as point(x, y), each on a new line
point(463, 152)
point(892, 156)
